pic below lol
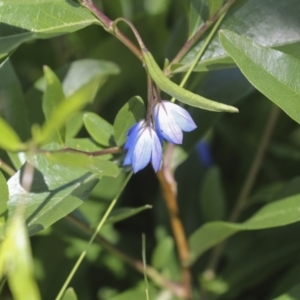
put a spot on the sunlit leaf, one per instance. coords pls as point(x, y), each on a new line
point(16, 261)
point(24, 20)
point(272, 72)
point(99, 129)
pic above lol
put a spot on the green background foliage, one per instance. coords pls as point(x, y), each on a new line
point(65, 83)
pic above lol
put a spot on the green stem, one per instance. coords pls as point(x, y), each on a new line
point(83, 254)
point(6, 168)
point(200, 53)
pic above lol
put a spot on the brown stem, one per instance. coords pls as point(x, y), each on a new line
point(169, 190)
point(107, 24)
point(155, 276)
point(242, 199)
point(112, 150)
point(192, 41)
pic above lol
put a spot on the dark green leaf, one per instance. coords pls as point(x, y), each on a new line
point(99, 129)
point(163, 252)
point(120, 214)
point(133, 111)
point(12, 106)
point(273, 73)
point(212, 196)
point(24, 20)
point(279, 213)
point(3, 196)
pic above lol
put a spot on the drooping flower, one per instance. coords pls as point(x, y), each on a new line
point(143, 146)
point(170, 120)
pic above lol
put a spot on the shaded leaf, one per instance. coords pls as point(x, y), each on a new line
point(133, 111)
point(212, 196)
point(12, 105)
point(282, 212)
point(123, 213)
point(163, 252)
point(272, 72)
point(99, 129)
point(24, 20)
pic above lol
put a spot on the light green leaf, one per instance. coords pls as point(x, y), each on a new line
point(69, 295)
point(56, 191)
point(9, 140)
point(133, 111)
point(123, 213)
point(279, 213)
point(95, 165)
point(74, 124)
point(12, 105)
point(99, 129)
point(65, 110)
point(24, 20)
point(16, 261)
point(212, 196)
point(272, 72)
point(214, 6)
point(52, 97)
point(248, 18)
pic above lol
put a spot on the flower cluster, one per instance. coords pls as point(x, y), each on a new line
point(145, 139)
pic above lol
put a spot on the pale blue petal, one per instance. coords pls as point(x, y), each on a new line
point(132, 134)
point(182, 117)
point(166, 125)
point(128, 157)
point(142, 151)
point(156, 155)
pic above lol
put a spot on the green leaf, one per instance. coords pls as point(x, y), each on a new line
point(293, 294)
point(133, 111)
point(99, 129)
point(56, 191)
point(52, 97)
point(248, 18)
point(3, 195)
point(212, 196)
point(214, 6)
point(123, 213)
point(280, 213)
point(9, 139)
point(24, 20)
point(12, 105)
point(95, 165)
point(74, 124)
point(163, 252)
point(69, 294)
point(272, 72)
point(16, 261)
point(65, 110)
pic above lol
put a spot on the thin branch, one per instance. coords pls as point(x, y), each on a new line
point(107, 25)
point(6, 168)
point(169, 190)
point(247, 186)
point(112, 150)
point(192, 41)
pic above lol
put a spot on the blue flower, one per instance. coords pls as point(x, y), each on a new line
point(143, 146)
point(170, 120)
